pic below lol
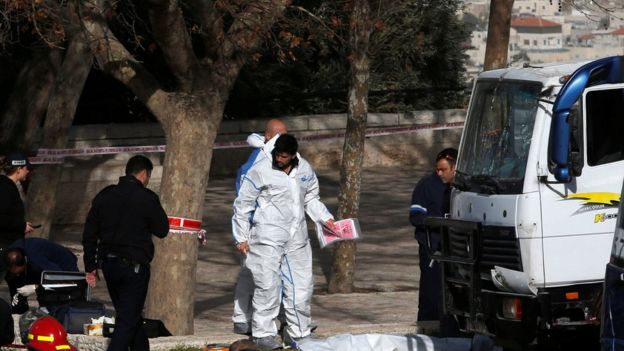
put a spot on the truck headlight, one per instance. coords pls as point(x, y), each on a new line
point(512, 308)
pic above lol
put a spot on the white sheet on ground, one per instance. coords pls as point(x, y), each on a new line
point(381, 342)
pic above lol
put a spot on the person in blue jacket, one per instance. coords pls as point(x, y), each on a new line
point(243, 292)
point(431, 198)
point(26, 259)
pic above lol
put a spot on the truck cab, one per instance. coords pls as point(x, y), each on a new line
point(537, 187)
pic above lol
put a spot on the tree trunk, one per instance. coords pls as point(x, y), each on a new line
point(61, 109)
point(499, 25)
point(190, 117)
point(190, 134)
point(343, 265)
point(28, 101)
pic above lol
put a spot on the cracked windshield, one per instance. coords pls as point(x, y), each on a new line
point(501, 121)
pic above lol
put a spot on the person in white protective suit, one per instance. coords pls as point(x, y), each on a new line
point(278, 192)
point(263, 145)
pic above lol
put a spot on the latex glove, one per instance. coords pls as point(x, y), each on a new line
point(27, 290)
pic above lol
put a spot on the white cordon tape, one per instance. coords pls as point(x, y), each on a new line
point(56, 156)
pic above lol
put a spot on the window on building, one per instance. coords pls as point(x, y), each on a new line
point(534, 42)
point(545, 42)
point(605, 126)
point(527, 42)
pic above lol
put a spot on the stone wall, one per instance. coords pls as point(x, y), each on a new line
point(83, 177)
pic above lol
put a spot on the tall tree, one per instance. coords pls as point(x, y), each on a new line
point(26, 105)
point(417, 54)
point(64, 98)
point(343, 264)
point(189, 108)
point(499, 26)
point(410, 43)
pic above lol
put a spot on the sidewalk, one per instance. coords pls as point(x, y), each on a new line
point(386, 277)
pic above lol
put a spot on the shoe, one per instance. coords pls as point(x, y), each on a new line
point(313, 326)
point(270, 342)
point(295, 343)
point(430, 328)
point(242, 328)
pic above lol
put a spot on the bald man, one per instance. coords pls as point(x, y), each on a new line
point(263, 145)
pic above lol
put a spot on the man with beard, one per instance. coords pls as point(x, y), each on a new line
point(243, 293)
point(278, 192)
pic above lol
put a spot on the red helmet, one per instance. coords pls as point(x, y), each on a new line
point(47, 334)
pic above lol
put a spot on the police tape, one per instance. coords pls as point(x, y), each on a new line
point(57, 156)
point(181, 225)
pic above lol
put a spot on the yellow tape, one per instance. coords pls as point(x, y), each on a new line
point(63, 347)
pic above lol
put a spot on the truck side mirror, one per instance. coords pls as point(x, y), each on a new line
point(575, 152)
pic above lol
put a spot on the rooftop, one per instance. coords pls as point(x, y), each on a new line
point(533, 22)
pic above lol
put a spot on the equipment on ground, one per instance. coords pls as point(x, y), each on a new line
point(537, 185)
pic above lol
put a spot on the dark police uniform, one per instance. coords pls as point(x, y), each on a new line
point(7, 334)
point(42, 255)
point(118, 238)
point(12, 222)
point(431, 198)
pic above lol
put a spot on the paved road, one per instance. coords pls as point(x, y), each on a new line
point(386, 269)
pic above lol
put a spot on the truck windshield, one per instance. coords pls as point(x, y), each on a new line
point(497, 138)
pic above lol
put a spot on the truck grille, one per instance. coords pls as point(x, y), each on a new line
point(500, 247)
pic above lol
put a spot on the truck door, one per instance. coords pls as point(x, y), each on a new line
point(579, 217)
point(612, 328)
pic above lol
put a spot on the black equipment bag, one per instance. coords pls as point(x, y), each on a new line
point(155, 328)
point(79, 313)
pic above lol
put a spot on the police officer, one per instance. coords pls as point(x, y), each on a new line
point(15, 168)
point(119, 228)
point(431, 198)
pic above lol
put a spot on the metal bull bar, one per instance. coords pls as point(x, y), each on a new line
point(458, 254)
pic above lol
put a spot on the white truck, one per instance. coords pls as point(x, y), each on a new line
point(537, 185)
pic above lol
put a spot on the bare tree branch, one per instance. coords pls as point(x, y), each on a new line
point(115, 59)
point(211, 26)
point(317, 19)
point(248, 27)
point(170, 32)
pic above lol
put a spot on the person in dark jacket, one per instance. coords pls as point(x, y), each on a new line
point(118, 238)
point(26, 259)
point(15, 168)
point(431, 198)
point(7, 332)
